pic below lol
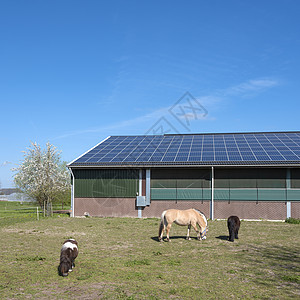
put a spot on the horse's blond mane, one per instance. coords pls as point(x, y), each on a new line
point(202, 214)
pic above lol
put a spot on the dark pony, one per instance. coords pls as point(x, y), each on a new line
point(68, 253)
point(233, 224)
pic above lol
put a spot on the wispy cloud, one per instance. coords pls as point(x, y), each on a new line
point(250, 87)
point(244, 89)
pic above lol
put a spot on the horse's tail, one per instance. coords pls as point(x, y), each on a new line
point(162, 224)
point(231, 225)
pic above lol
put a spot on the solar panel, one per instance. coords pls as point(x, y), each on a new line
point(236, 148)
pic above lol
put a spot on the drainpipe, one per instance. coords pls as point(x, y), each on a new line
point(148, 190)
point(212, 194)
point(288, 186)
point(72, 193)
point(140, 191)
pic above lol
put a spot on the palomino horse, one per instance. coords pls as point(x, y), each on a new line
point(189, 217)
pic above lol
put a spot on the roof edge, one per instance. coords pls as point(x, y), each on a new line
point(69, 164)
point(195, 165)
point(228, 133)
point(209, 133)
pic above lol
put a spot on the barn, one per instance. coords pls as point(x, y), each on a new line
point(255, 175)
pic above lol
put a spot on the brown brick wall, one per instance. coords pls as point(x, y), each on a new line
point(250, 210)
point(125, 207)
point(158, 206)
point(106, 207)
point(295, 207)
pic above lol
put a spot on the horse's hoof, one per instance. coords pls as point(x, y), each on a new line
point(188, 238)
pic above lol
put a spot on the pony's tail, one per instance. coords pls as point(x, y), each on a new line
point(161, 225)
point(230, 225)
point(161, 228)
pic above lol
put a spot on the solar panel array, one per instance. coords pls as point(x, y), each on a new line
point(203, 149)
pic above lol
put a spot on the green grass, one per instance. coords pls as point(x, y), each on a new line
point(12, 212)
point(292, 221)
point(120, 258)
point(137, 262)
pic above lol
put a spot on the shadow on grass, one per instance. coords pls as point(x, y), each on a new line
point(275, 264)
point(282, 254)
point(223, 237)
point(155, 238)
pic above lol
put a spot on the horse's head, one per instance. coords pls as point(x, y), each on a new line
point(203, 233)
point(202, 221)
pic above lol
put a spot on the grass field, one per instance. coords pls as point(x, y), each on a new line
point(121, 258)
point(12, 212)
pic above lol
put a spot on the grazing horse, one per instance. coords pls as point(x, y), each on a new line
point(189, 217)
point(68, 253)
point(233, 224)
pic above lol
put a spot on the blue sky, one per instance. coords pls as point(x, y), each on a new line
point(74, 72)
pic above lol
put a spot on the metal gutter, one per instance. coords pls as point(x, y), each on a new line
point(72, 193)
point(172, 165)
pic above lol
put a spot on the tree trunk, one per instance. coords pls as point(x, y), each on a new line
point(49, 208)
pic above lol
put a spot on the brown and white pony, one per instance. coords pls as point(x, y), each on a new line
point(189, 217)
point(233, 224)
point(68, 253)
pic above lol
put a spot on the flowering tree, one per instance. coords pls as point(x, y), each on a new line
point(42, 175)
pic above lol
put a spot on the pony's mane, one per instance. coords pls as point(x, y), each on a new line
point(68, 245)
point(202, 214)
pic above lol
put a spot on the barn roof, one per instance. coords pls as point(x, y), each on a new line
point(243, 149)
